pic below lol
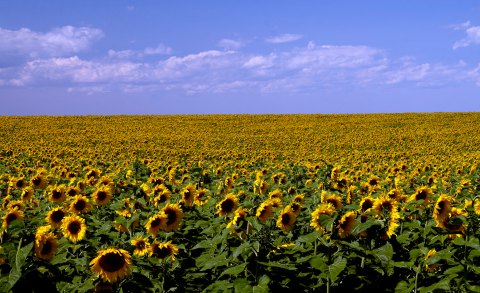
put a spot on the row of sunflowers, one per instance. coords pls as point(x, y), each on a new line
point(318, 202)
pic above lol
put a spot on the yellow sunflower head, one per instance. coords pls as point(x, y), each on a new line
point(46, 244)
point(27, 193)
point(55, 217)
point(326, 209)
point(10, 216)
point(163, 250)
point(227, 205)
point(74, 228)
point(141, 246)
point(188, 195)
point(442, 209)
point(80, 204)
point(39, 181)
point(286, 219)
point(265, 211)
point(102, 196)
point(201, 197)
point(112, 264)
point(173, 216)
point(366, 204)
point(57, 194)
point(346, 224)
point(155, 223)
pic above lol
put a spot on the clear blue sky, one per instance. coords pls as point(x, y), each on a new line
point(168, 57)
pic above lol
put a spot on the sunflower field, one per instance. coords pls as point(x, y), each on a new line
point(240, 203)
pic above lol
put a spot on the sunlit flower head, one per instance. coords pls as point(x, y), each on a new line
point(112, 264)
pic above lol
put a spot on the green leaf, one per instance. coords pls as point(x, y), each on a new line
point(289, 267)
point(337, 267)
point(262, 286)
point(242, 285)
point(404, 287)
point(234, 270)
point(241, 249)
point(364, 226)
point(440, 285)
point(219, 260)
point(454, 270)
point(318, 262)
point(442, 254)
point(308, 238)
point(22, 254)
point(384, 253)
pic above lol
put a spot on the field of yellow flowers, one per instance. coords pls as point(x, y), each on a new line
point(240, 203)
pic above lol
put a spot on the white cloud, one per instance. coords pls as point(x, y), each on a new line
point(285, 38)
point(230, 44)
point(302, 69)
point(472, 38)
point(131, 54)
point(159, 50)
point(57, 42)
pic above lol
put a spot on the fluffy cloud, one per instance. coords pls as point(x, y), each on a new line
point(285, 38)
point(301, 69)
point(472, 38)
point(57, 42)
point(128, 54)
point(230, 44)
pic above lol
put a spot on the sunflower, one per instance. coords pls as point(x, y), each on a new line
point(286, 219)
point(112, 264)
point(351, 194)
point(335, 200)
point(476, 207)
point(296, 207)
point(39, 181)
point(366, 204)
point(299, 198)
point(18, 183)
point(265, 211)
point(227, 205)
point(72, 191)
point(55, 217)
point(277, 193)
point(442, 210)
point(16, 204)
point(201, 197)
point(80, 204)
point(155, 223)
point(46, 243)
point(388, 209)
point(74, 228)
point(346, 224)
point(141, 246)
point(27, 193)
point(57, 194)
point(422, 193)
point(238, 219)
point(102, 196)
point(432, 267)
point(173, 217)
point(163, 250)
point(188, 195)
point(10, 216)
point(92, 174)
point(326, 209)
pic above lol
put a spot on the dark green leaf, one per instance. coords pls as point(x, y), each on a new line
point(337, 267)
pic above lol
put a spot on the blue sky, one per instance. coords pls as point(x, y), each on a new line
point(175, 57)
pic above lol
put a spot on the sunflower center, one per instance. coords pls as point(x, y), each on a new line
point(47, 247)
point(72, 192)
point(366, 205)
point(112, 262)
point(156, 222)
point(163, 197)
point(36, 181)
point(11, 217)
point(171, 216)
point(19, 183)
point(101, 195)
point(74, 227)
point(161, 252)
point(422, 195)
point(227, 205)
point(80, 205)
point(140, 245)
point(56, 194)
point(285, 219)
point(57, 216)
